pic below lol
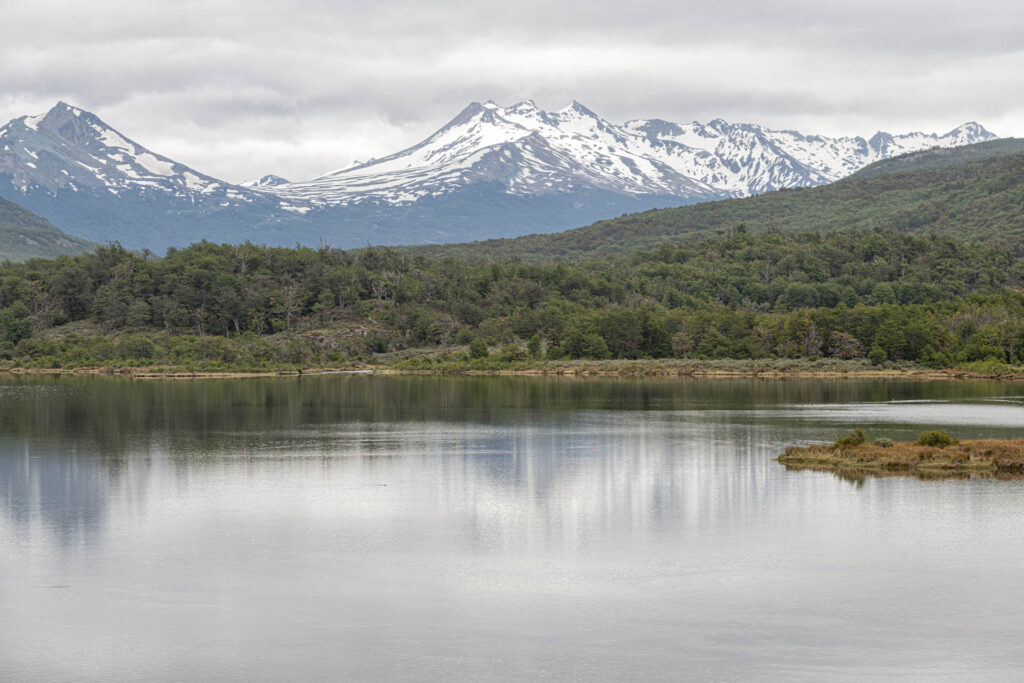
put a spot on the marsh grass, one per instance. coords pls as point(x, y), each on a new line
point(991, 457)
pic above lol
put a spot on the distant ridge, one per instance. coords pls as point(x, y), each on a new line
point(532, 152)
point(24, 235)
point(936, 158)
point(974, 192)
point(490, 172)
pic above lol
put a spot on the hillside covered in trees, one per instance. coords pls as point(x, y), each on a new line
point(942, 157)
point(974, 192)
point(877, 294)
point(24, 235)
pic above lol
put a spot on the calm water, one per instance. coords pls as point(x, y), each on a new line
point(362, 528)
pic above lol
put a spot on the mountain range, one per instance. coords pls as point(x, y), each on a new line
point(973, 193)
point(490, 172)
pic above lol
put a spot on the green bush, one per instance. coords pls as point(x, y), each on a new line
point(987, 366)
point(883, 442)
point(135, 347)
point(15, 323)
point(534, 347)
point(513, 352)
point(478, 349)
point(940, 439)
point(854, 438)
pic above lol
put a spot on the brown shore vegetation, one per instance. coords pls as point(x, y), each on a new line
point(175, 372)
point(978, 457)
point(665, 369)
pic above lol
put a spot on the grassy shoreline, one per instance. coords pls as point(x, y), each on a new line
point(717, 369)
point(177, 372)
point(979, 457)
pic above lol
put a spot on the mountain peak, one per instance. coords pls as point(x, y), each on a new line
point(578, 108)
point(64, 107)
point(269, 180)
point(471, 112)
point(970, 132)
point(69, 150)
point(524, 105)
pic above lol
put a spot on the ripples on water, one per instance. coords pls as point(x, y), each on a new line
point(361, 528)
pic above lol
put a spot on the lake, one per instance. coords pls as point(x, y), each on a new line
point(366, 528)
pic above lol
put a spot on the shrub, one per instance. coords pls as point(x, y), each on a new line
point(883, 442)
point(987, 366)
point(463, 336)
point(939, 439)
point(135, 347)
point(586, 345)
point(513, 352)
point(534, 347)
point(376, 342)
point(15, 323)
point(854, 438)
point(478, 349)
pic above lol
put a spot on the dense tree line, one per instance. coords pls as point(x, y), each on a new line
point(880, 294)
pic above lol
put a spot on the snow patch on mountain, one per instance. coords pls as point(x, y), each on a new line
point(266, 181)
point(492, 171)
point(531, 152)
point(71, 150)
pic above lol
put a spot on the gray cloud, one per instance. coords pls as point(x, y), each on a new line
point(242, 88)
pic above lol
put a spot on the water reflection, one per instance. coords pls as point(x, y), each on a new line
point(365, 528)
point(500, 451)
point(552, 484)
point(117, 415)
point(859, 476)
point(59, 491)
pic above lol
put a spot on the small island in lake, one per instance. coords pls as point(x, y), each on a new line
point(934, 454)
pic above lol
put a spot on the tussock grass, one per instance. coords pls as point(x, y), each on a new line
point(991, 457)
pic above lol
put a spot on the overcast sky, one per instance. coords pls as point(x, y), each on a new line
point(240, 88)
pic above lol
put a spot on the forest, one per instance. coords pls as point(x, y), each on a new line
point(881, 295)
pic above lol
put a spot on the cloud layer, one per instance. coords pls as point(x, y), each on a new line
point(239, 89)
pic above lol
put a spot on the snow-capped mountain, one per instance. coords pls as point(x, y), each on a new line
point(531, 152)
point(749, 159)
point(490, 172)
point(91, 180)
point(526, 150)
point(266, 181)
point(70, 149)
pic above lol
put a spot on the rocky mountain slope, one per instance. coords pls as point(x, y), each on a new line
point(531, 152)
point(490, 172)
point(975, 193)
point(86, 177)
